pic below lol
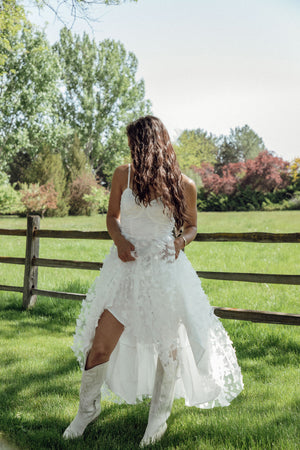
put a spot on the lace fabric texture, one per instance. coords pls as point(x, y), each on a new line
point(166, 314)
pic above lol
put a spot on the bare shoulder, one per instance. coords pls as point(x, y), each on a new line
point(121, 170)
point(120, 174)
point(188, 185)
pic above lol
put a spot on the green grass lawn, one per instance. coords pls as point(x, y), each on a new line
point(40, 378)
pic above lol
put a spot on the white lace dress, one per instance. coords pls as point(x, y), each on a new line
point(165, 312)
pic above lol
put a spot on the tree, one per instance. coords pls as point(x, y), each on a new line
point(18, 167)
point(247, 143)
point(28, 98)
point(193, 147)
point(47, 168)
point(12, 18)
point(227, 183)
point(227, 154)
point(76, 161)
point(100, 96)
point(241, 144)
point(266, 173)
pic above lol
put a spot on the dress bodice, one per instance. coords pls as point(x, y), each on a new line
point(144, 222)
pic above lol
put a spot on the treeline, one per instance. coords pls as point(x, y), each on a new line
point(63, 112)
point(236, 172)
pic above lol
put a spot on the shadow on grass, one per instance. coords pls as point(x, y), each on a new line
point(279, 345)
point(51, 311)
point(122, 427)
point(280, 349)
point(43, 382)
point(119, 427)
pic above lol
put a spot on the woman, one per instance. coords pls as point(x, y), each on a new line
point(146, 327)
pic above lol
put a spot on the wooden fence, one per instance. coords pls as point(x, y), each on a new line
point(32, 262)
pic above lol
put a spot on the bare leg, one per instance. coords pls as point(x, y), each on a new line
point(107, 335)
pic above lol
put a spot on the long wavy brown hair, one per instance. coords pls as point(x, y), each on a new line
point(155, 165)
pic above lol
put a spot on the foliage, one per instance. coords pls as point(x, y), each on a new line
point(80, 187)
point(227, 154)
point(252, 185)
point(266, 173)
point(3, 178)
point(216, 202)
point(76, 161)
point(241, 144)
point(12, 18)
point(98, 199)
point(18, 167)
point(193, 147)
point(295, 170)
point(196, 147)
point(246, 142)
point(225, 184)
point(248, 199)
point(100, 96)
point(29, 95)
point(48, 168)
point(39, 199)
point(10, 199)
point(292, 203)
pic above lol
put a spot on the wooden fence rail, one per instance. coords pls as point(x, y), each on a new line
point(259, 237)
point(32, 262)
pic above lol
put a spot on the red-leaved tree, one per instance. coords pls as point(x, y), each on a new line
point(38, 199)
point(264, 173)
point(225, 184)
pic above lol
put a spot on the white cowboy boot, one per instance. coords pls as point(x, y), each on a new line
point(89, 401)
point(161, 403)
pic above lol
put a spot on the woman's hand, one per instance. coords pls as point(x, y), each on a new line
point(125, 249)
point(179, 244)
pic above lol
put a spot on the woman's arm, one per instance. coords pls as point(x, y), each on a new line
point(190, 225)
point(124, 247)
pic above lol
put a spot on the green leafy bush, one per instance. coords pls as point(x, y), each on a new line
point(291, 204)
point(99, 198)
point(10, 199)
point(248, 199)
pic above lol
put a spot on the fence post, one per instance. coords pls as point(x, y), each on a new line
point(30, 271)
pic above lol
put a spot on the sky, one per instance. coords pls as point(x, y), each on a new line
point(210, 64)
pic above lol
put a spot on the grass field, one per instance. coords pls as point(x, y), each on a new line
point(40, 378)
